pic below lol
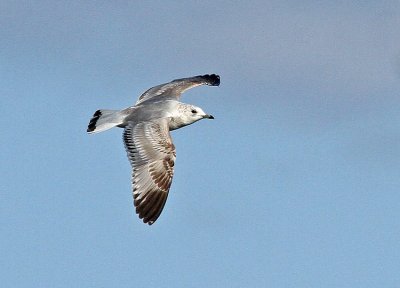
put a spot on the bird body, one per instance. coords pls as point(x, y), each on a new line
point(147, 139)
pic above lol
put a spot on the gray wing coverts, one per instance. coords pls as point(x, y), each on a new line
point(175, 88)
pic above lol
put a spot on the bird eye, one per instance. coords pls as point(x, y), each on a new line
point(194, 111)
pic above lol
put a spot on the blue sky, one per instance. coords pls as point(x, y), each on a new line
point(294, 184)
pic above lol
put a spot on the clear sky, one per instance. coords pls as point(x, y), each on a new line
point(296, 183)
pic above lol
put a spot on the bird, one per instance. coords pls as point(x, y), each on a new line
point(147, 138)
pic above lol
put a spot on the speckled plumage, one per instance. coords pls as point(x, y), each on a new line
point(147, 139)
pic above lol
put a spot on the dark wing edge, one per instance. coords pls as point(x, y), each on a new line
point(152, 156)
point(175, 88)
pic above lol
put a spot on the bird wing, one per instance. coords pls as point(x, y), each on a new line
point(175, 88)
point(152, 156)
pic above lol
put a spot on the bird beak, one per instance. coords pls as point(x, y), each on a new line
point(208, 116)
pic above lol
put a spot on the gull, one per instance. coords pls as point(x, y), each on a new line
point(147, 138)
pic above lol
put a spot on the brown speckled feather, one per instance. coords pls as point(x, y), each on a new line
point(152, 155)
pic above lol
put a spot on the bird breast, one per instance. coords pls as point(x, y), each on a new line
point(177, 122)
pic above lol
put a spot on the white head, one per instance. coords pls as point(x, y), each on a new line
point(188, 114)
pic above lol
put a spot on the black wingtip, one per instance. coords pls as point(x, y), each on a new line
point(212, 79)
point(93, 121)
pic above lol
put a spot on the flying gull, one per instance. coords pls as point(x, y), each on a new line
point(148, 141)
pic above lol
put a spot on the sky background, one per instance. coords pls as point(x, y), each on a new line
point(296, 183)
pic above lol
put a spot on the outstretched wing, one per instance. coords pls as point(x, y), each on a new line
point(175, 88)
point(152, 155)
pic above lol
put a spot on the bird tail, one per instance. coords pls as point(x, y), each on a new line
point(103, 120)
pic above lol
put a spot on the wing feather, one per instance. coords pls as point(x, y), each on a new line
point(175, 88)
point(152, 156)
